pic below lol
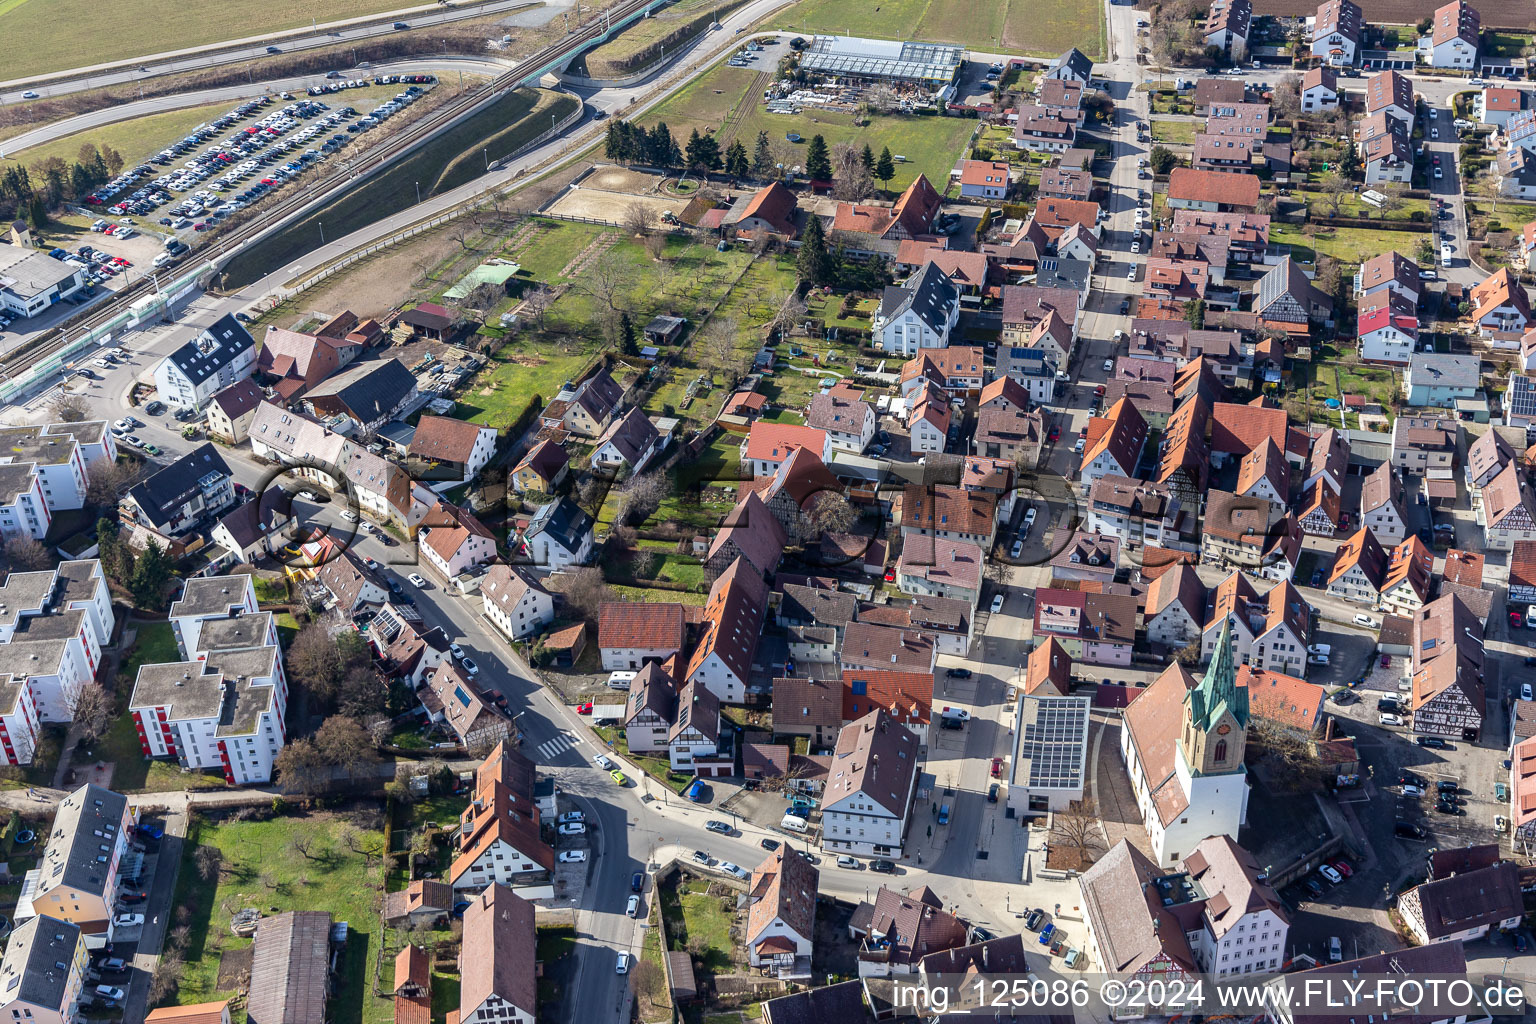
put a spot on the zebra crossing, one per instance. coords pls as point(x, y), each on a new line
point(550, 749)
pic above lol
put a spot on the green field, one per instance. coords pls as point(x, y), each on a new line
point(613, 58)
point(1046, 27)
point(260, 868)
point(1174, 132)
point(1347, 245)
point(57, 35)
point(725, 96)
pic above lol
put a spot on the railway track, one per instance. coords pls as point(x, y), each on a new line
point(224, 244)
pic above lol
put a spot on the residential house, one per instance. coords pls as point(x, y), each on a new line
point(424, 901)
point(1517, 170)
point(628, 445)
point(1464, 906)
point(1453, 37)
point(911, 216)
point(230, 411)
point(1134, 512)
point(871, 782)
point(256, 528)
point(751, 532)
point(298, 360)
point(1410, 574)
point(1114, 444)
point(872, 647)
point(1486, 458)
point(1246, 234)
point(1034, 368)
point(1225, 154)
point(770, 210)
point(587, 409)
point(1500, 306)
point(732, 623)
point(848, 422)
point(413, 986)
point(633, 634)
point(1495, 105)
point(498, 972)
point(499, 841)
point(807, 707)
point(1048, 671)
point(983, 179)
point(1288, 300)
point(368, 394)
point(693, 736)
point(1386, 149)
point(905, 695)
point(1320, 512)
point(77, 879)
point(475, 721)
point(1212, 191)
point(1010, 433)
point(1226, 26)
point(1382, 510)
point(1269, 633)
point(1508, 512)
point(949, 513)
point(1329, 461)
point(650, 710)
point(898, 931)
point(1320, 87)
point(1390, 93)
point(1091, 557)
point(1335, 35)
point(1425, 444)
point(769, 444)
point(42, 974)
point(1093, 627)
point(940, 568)
point(177, 499)
point(1175, 612)
point(1389, 272)
point(781, 914)
point(1387, 327)
point(452, 541)
point(928, 422)
point(213, 360)
point(1265, 474)
point(1440, 379)
point(352, 585)
point(1071, 66)
point(1212, 93)
point(1448, 694)
point(1065, 183)
point(559, 534)
point(447, 452)
point(1042, 129)
point(1359, 569)
point(792, 493)
point(515, 602)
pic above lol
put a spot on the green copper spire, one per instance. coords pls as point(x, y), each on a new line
point(1219, 691)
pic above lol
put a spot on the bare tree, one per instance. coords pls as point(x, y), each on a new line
point(655, 244)
point(209, 862)
point(301, 844)
point(637, 219)
point(105, 483)
point(1077, 828)
point(166, 980)
point(536, 303)
point(91, 710)
point(1290, 759)
point(1335, 187)
point(645, 979)
point(26, 554)
point(300, 768)
point(586, 590)
point(718, 346)
point(830, 512)
point(606, 280)
point(788, 311)
point(1286, 100)
point(642, 495)
point(852, 180)
point(342, 741)
point(1393, 198)
point(70, 408)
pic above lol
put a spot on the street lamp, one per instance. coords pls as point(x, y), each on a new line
point(418, 193)
point(322, 231)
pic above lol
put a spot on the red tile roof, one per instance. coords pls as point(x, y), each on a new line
point(906, 696)
point(639, 625)
point(772, 442)
point(1186, 183)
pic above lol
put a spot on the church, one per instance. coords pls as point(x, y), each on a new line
point(1183, 745)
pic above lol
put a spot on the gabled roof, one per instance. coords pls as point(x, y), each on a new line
point(1265, 462)
point(1382, 487)
point(698, 709)
point(773, 204)
point(444, 439)
point(809, 703)
point(1412, 564)
point(1122, 433)
point(783, 888)
point(238, 399)
point(1320, 77)
point(755, 533)
point(632, 435)
point(496, 955)
point(290, 968)
point(929, 294)
point(1489, 453)
point(876, 757)
point(1500, 289)
point(216, 347)
point(903, 650)
point(1179, 586)
point(772, 442)
point(1126, 910)
point(1456, 20)
point(640, 625)
point(835, 412)
point(1387, 89)
point(733, 620)
point(1338, 16)
point(1009, 390)
point(1469, 899)
point(1390, 268)
point(1287, 278)
point(1505, 494)
point(162, 496)
point(1228, 189)
point(545, 459)
point(906, 696)
point(563, 521)
point(1049, 667)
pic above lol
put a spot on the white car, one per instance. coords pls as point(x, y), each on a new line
point(1078, 447)
point(604, 762)
point(1109, 365)
point(957, 713)
point(349, 515)
point(470, 668)
point(1136, 247)
point(573, 828)
point(1387, 718)
point(1029, 519)
point(621, 966)
point(127, 920)
point(367, 527)
point(997, 604)
point(456, 651)
point(417, 579)
point(1329, 872)
point(309, 495)
point(1018, 546)
point(1366, 621)
point(570, 816)
point(1434, 133)
point(573, 856)
point(732, 869)
point(1130, 272)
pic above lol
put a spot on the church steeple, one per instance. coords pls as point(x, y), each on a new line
point(1216, 715)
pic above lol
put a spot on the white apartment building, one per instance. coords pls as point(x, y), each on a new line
point(871, 782)
point(206, 365)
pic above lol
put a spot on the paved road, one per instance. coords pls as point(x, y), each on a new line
point(442, 66)
point(171, 62)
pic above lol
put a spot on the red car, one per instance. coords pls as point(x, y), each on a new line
point(1055, 433)
point(997, 767)
point(890, 577)
point(1099, 390)
point(584, 709)
point(1386, 661)
point(1515, 620)
point(1343, 868)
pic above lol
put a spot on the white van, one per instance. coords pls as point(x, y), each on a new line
point(793, 823)
point(620, 680)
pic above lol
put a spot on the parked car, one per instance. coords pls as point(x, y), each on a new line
point(603, 762)
point(883, 866)
point(1329, 873)
point(573, 856)
point(128, 920)
point(718, 827)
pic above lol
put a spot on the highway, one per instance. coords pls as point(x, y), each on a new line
point(443, 67)
point(234, 51)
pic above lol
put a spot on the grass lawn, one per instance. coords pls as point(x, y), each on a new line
point(658, 768)
point(1351, 206)
point(1178, 132)
point(648, 595)
point(1027, 26)
point(63, 34)
point(1347, 245)
point(692, 915)
point(723, 96)
point(261, 868)
point(611, 58)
